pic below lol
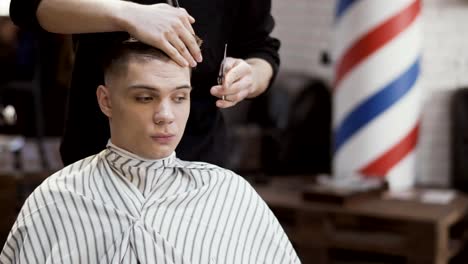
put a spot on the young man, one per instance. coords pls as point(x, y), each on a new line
point(135, 202)
point(245, 25)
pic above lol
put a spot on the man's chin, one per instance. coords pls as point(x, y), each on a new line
point(160, 152)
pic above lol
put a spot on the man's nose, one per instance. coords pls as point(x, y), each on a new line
point(164, 114)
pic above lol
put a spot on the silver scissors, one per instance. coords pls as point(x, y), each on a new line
point(221, 70)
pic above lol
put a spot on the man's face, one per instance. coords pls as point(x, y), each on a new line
point(148, 107)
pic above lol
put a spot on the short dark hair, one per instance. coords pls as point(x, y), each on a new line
point(117, 58)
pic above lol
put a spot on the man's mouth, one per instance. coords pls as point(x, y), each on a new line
point(163, 138)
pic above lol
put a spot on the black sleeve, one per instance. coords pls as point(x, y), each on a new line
point(252, 29)
point(23, 14)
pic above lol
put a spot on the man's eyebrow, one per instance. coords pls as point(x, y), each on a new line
point(152, 88)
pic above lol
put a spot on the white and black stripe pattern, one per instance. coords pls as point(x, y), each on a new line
point(115, 207)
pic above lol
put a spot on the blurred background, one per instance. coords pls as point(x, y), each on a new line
point(282, 140)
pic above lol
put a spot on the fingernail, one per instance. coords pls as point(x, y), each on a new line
point(193, 63)
point(199, 58)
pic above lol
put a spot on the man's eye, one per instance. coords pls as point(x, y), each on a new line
point(179, 99)
point(144, 99)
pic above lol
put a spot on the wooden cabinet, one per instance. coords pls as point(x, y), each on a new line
point(370, 230)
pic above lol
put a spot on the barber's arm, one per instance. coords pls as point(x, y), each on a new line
point(253, 55)
point(159, 25)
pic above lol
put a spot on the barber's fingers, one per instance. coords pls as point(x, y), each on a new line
point(167, 28)
point(230, 100)
point(186, 34)
point(188, 20)
point(191, 44)
point(172, 52)
point(224, 99)
point(181, 47)
point(234, 70)
point(230, 96)
point(225, 104)
point(175, 46)
point(237, 84)
point(235, 89)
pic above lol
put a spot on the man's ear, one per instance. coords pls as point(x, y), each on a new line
point(103, 97)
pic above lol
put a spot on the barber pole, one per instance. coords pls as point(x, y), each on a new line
point(376, 98)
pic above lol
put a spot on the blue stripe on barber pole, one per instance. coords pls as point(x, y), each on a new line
point(375, 105)
point(343, 5)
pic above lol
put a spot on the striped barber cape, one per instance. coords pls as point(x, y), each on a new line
point(115, 207)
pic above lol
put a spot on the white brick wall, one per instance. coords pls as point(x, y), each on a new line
point(304, 26)
point(304, 29)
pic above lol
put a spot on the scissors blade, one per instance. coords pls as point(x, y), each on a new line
point(221, 68)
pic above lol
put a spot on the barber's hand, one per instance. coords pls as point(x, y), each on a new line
point(237, 85)
point(167, 28)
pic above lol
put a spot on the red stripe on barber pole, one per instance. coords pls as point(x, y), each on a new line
point(380, 166)
point(374, 40)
